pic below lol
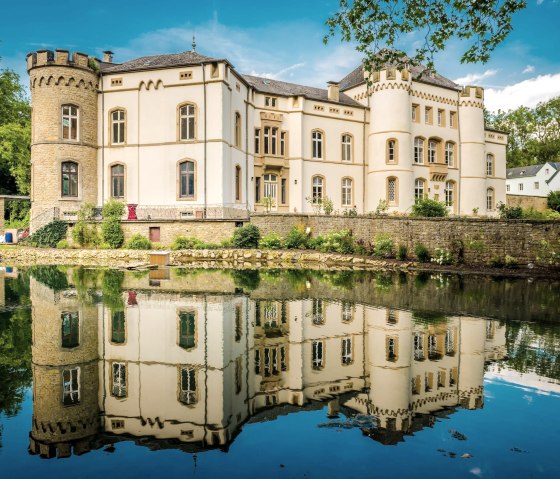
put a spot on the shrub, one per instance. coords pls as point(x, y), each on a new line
point(442, 256)
point(402, 252)
point(85, 234)
point(350, 212)
point(384, 246)
point(510, 262)
point(509, 212)
point(364, 248)
point(138, 242)
point(334, 242)
point(112, 232)
point(49, 235)
point(297, 238)
point(429, 208)
point(497, 262)
point(246, 237)
point(422, 253)
point(113, 209)
point(553, 200)
point(62, 244)
point(548, 214)
point(271, 241)
point(328, 205)
point(185, 242)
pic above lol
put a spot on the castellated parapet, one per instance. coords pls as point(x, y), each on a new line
point(57, 79)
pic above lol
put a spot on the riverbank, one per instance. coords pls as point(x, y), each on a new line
point(250, 259)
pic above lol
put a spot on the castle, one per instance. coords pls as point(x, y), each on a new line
point(181, 136)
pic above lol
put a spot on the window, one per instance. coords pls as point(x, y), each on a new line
point(428, 119)
point(391, 154)
point(118, 380)
point(283, 192)
point(536, 185)
point(441, 117)
point(238, 323)
point(237, 183)
point(347, 312)
point(449, 342)
point(257, 141)
point(441, 379)
point(69, 122)
point(270, 140)
point(117, 181)
point(317, 142)
point(283, 136)
point(317, 353)
point(70, 386)
point(237, 130)
point(546, 171)
point(415, 113)
point(432, 347)
point(452, 119)
point(508, 187)
point(432, 151)
point(392, 193)
point(520, 186)
point(69, 179)
point(317, 315)
point(489, 199)
point(346, 357)
point(346, 192)
point(317, 189)
point(392, 348)
point(117, 127)
point(449, 193)
point(214, 70)
point(418, 150)
point(490, 165)
point(187, 392)
point(238, 375)
point(449, 153)
point(118, 327)
point(257, 189)
point(392, 316)
point(428, 381)
point(187, 183)
point(186, 122)
point(346, 148)
point(419, 354)
point(187, 329)
point(270, 101)
point(419, 188)
point(70, 329)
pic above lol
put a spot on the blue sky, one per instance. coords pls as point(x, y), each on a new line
point(261, 39)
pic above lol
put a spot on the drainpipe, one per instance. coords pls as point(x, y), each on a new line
point(102, 141)
point(459, 156)
point(205, 138)
point(247, 153)
point(364, 169)
point(138, 149)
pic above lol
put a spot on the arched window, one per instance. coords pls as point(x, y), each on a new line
point(391, 153)
point(418, 150)
point(117, 181)
point(187, 114)
point(118, 127)
point(317, 143)
point(69, 176)
point(419, 188)
point(449, 193)
point(237, 131)
point(70, 122)
point(237, 183)
point(346, 192)
point(490, 165)
point(317, 189)
point(187, 179)
point(346, 148)
point(450, 154)
point(392, 191)
point(432, 151)
point(490, 199)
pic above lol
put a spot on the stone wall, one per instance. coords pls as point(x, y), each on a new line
point(478, 240)
point(536, 202)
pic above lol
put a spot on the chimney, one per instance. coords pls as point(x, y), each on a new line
point(333, 91)
point(108, 56)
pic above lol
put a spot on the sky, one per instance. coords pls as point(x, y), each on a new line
point(282, 43)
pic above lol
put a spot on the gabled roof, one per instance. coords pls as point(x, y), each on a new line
point(528, 171)
point(275, 87)
point(155, 62)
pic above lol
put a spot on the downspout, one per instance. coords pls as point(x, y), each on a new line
point(102, 141)
point(205, 139)
point(459, 156)
point(138, 148)
point(364, 170)
point(247, 153)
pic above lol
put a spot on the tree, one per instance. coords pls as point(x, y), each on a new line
point(482, 24)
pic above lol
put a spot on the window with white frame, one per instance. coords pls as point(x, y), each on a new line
point(187, 122)
point(346, 148)
point(489, 199)
point(418, 150)
point(69, 179)
point(392, 191)
point(449, 341)
point(346, 357)
point(117, 127)
point(391, 151)
point(346, 192)
point(508, 187)
point(118, 380)
point(117, 181)
point(520, 186)
point(536, 185)
point(283, 142)
point(186, 179)
point(317, 189)
point(347, 311)
point(317, 144)
point(317, 354)
point(419, 188)
point(71, 386)
point(317, 313)
point(70, 122)
point(270, 101)
point(419, 354)
point(490, 165)
point(449, 193)
point(270, 140)
point(432, 151)
point(257, 141)
point(187, 329)
point(187, 390)
point(392, 348)
point(449, 153)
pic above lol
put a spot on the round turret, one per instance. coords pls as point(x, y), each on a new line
point(64, 133)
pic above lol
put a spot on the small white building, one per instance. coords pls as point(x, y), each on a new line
point(533, 180)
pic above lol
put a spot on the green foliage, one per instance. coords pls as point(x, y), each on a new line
point(422, 253)
point(185, 242)
point(271, 241)
point(92, 63)
point(246, 279)
point(402, 252)
point(18, 214)
point(138, 242)
point(384, 246)
point(84, 233)
point(328, 205)
point(334, 242)
point(504, 262)
point(51, 276)
point(297, 238)
point(62, 244)
point(549, 253)
point(113, 209)
point(112, 232)
point(533, 214)
point(442, 256)
point(246, 237)
point(553, 200)
point(112, 289)
point(426, 207)
point(350, 212)
point(477, 245)
point(509, 212)
point(479, 27)
point(49, 235)
point(382, 208)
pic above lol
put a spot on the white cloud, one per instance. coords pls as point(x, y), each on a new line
point(540, 2)
point(527, 93)
point(475, 78)
point(529, 69)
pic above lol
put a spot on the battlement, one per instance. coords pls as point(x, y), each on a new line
point(43, 58)
point(388, 74)
point(475, 92)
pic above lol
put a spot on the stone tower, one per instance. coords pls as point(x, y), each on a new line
point(64, 133)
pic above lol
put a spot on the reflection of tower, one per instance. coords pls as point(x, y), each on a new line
point(65, 373)
point(471, 362)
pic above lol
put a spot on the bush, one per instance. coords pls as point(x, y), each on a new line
point(85, 234)
point(138, 242)
point(112, 232)
point(510, 262)
point(113, 209)
point(297, 238)
point(442, 256)
point(62, 244)
point(422, 253)
point(497, 262)
point(553, 201)
point(335, 242)
point(509, 212)
point(271, 241)
point(246, 237)
point(427, 207)
point(548, 214)
point(49, 235)
point(185, 242)
point(384, 246)
point(402, 252)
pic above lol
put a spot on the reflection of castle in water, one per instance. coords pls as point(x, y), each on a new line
point(178, 370)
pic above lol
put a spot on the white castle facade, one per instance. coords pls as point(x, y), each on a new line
point(190, 136)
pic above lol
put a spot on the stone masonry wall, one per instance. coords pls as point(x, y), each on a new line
point(536, 202)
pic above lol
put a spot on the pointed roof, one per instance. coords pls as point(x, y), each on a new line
point(529, 171)
point(155, 62)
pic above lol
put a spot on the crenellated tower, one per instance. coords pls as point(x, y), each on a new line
point(64, 132)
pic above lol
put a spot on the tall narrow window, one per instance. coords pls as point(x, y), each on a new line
point(441, 117)
point(257, 141)
point(69, 122)
point(283, 136)
point(489, 199)
point(238, 323)
point(449, 193)
point(428, 119)
point(70, 386)
point(419, 354)
point(70, 329)
point(391, 151)
point(238, 375)
point(346, 148)
point(346, 192)
point(257, 189)
point(317, 144)
point(69, 176)
point(347, 311)
point(346, 357)
point(118, 327)
point(273, 141)
point(237, 183)
point(418, 150)
point(449, 154)
point(187, 183)
point(392, 348)
point(117, 127)
point(419, 188)
point(317, 315)
point(283, 191)
point(187, 329)
point(432, 151)
point(490, 165)
point(267, 140)
point(415, 113)
point(187, 391)
point(117, 181)
point(317, 353)
point(118, 380)
point(317, 193)
point(392, 191)
point(187, 122)
point(237, 132)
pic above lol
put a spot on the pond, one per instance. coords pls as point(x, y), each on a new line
point(278, 374)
